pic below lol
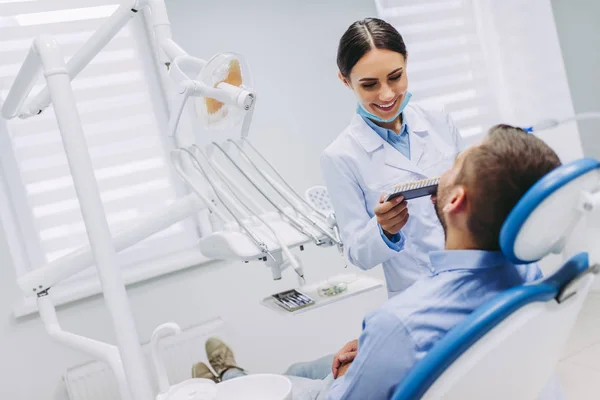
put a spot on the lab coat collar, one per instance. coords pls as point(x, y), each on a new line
point(395, 159)
point(452, 260)
point(419, 128)
point(371, 141)
point(418, 131)
point(364, 135)
point(416, 122)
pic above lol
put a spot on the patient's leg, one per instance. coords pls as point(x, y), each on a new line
point(317, 369)
point(232, 373)
point(221, 359)
point(223, 362)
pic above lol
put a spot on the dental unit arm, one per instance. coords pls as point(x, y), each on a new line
point(224, 186)
point(552, 123)
point(244, 99)
point(169, 52)
point(298, 204)
point(125, 359)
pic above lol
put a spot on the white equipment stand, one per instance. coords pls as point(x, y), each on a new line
point(290, 228)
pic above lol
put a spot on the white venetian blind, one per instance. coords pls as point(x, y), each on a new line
point(122, 132)
point(446, 63)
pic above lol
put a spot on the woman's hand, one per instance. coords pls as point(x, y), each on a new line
point(391, 215)
point(344, 356)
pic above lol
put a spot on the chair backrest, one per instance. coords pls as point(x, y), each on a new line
point(509, 347)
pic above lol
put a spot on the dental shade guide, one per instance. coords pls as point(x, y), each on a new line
point(414, 190)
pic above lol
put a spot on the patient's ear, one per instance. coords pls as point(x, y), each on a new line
point(457, 201)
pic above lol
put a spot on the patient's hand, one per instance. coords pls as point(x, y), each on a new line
point(344, 356)
point(342, 370)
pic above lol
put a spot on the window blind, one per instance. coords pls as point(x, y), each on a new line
point(446, 63)
point(120, 127)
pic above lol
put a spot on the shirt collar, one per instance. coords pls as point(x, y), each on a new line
point(449, 260)
point(384, 132)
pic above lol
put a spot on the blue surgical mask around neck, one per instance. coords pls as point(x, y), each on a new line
point(364, 113)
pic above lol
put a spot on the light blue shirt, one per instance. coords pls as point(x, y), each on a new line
point(401, 143)
point(407, 326)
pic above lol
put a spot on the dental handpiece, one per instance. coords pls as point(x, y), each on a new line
point(257, 241)
point(294, 221)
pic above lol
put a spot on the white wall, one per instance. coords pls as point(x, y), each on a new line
point(290, 46)
point(527, 69)
point(578, 25)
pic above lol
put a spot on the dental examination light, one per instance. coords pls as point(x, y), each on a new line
point(222, 98)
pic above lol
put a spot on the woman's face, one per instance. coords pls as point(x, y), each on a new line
point(379, 81)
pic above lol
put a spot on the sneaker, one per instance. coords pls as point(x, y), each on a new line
point(220, 356)
point(201, 370)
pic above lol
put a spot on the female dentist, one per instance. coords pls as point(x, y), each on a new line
point(389, 141)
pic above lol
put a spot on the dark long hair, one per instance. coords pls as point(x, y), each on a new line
point(363, 36)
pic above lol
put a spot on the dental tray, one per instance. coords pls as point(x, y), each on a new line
point(413, 190)
point(361, 284)
point(292, 300)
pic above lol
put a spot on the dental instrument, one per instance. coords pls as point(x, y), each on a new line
point(293, 261)
point(292, 219)
point(177, 165)
point(273, 169)
point(292, 300)
point(289, 198)
point(281, 191)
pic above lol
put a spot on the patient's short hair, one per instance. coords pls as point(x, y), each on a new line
point(497, 174)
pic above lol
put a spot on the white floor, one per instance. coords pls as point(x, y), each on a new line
point(579, 368)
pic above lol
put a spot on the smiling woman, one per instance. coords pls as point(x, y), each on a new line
point(373, 63)
point(388, 142)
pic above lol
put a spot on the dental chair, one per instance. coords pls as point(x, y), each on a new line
point(510, 346)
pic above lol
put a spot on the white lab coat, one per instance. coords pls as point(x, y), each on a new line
point(359, 165)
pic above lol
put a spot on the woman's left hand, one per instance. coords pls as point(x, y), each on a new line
point(391, 215)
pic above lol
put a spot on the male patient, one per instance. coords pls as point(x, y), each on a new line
point(474, 198)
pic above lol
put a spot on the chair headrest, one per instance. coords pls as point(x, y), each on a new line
point(547, 213)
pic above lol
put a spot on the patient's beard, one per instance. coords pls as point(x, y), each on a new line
point(438, 205)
